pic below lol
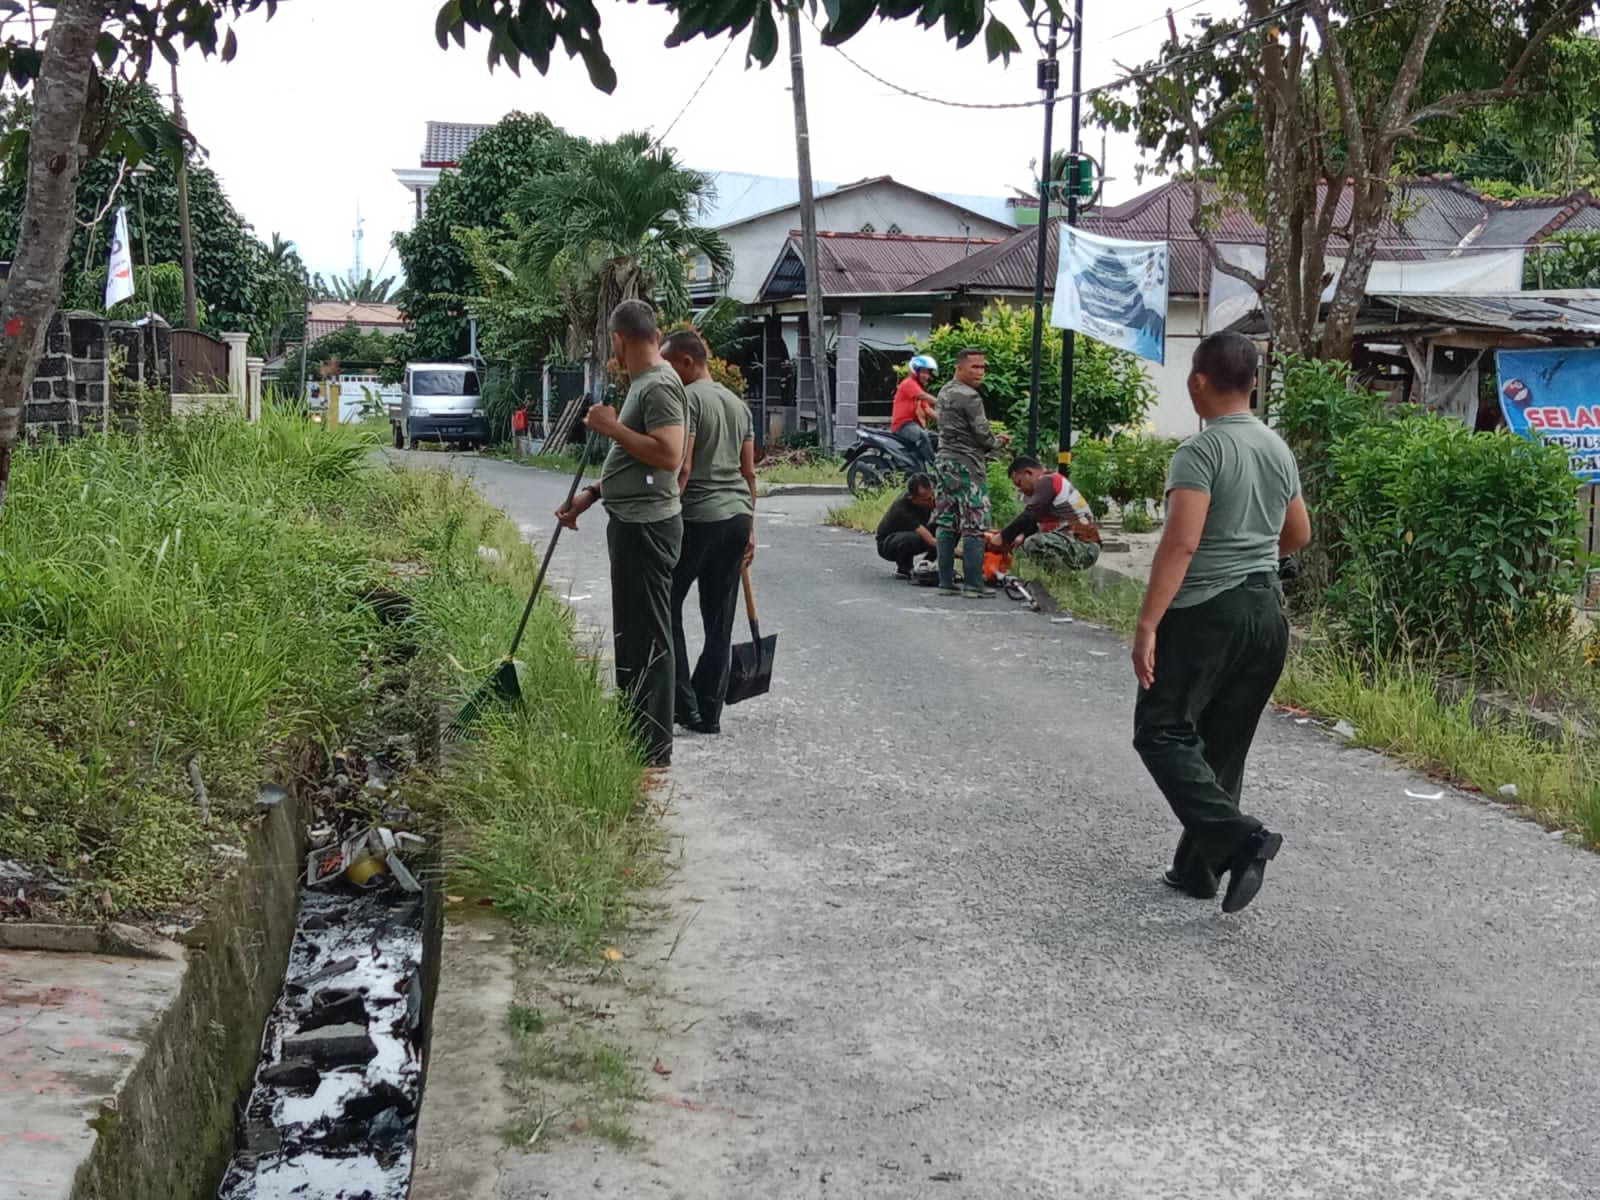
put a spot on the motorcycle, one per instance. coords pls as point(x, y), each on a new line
point(878, 457)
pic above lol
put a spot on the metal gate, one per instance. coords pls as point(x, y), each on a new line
point(199, 364)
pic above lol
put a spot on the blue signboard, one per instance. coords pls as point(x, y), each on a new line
point(1554, 396)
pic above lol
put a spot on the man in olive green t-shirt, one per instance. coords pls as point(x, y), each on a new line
point(718, 479)
point(1213, 631)
point(639, 486)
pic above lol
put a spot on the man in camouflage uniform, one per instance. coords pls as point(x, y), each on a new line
point(1056, 527)
point(961, 478)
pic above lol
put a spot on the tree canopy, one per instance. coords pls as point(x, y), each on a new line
point(1304, 114)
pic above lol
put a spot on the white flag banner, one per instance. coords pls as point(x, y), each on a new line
point(1113, 290)
point(119, 273)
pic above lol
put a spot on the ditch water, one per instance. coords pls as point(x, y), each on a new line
point(332, 1109)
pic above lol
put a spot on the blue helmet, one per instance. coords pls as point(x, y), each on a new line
point(924, 362)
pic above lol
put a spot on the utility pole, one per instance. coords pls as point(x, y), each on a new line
point(191, 314)
point(808, 238)
point(1074, 171)
point(1049, 81)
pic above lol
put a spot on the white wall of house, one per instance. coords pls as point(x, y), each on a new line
point(887, 207)
point(1172, 413)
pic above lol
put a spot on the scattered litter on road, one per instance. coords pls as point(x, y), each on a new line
point(1100, 653)
point(1302, 720)
point(1509, 791)
point(1425, 795)
point(945, 1177)
point(1061, 620)
point(1344, 729)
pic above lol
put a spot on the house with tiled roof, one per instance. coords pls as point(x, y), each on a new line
point(1430, 219)
point(442, 148)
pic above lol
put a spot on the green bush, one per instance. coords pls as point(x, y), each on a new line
point(1453, 542)
point(1313, 404)
point(1109, 387)
point(1004, 501)
point(1128, 470)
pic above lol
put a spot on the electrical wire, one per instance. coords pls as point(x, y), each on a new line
point(1155, 68)
point(692, 95)
point(1161, 20)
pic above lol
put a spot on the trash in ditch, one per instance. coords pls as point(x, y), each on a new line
point(1509, 791)
point(359, 858)
point(1425, 795)
point(332, 1113)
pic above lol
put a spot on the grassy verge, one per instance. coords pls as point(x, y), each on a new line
point(224, 594)
point(563, 1078)
point(818, 472)
point(1393, 708)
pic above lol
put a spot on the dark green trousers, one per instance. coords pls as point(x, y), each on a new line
point(642, 558)
point(1216, 665)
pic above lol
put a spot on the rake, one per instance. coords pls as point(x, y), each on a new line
point(502, 687)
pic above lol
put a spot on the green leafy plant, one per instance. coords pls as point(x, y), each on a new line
point(1128, 470)
point(1110, 389)
point(1455, 543)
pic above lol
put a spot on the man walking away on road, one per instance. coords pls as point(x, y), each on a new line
point(962, 478)
point(1213, 631)
point(903, 534)
point(913, 408)
point(718, 479)
point(639, 486)
point(1056, 527)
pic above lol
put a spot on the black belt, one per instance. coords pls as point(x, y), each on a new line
point(1259, 579)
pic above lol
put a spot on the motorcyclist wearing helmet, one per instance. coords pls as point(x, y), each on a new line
point(914, 407)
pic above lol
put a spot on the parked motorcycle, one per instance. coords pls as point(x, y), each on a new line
point(878, 458)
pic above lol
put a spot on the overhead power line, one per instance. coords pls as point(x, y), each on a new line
point(693, 95)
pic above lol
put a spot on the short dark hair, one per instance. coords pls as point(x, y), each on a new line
point(634, 320)
point(968, 352)
point(1024, 462)
point(1229, 360)
point(917, 482)
point(687, 343)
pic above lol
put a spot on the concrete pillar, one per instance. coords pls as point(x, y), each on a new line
point(252, 406)
point(774, 357)
point(847, 377)
point(238, 351)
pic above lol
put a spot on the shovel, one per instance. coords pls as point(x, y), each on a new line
point(751, 672)
point(501, 686)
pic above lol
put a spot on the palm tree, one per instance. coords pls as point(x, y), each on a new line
point(349, 290)
point(282, 300)
point(617, 223)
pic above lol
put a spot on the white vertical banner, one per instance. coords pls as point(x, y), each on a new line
point(1113, 290)
point(119, 273)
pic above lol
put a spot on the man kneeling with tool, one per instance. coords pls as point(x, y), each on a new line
point(1056, 528)
point(904, 532)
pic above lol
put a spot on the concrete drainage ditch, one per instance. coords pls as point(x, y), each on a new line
point(331, 1113)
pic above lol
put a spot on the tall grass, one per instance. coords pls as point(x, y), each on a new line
point(206, 589)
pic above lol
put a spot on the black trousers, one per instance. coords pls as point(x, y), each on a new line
point(713, 552)
point(643, 556)
point(902, 549)
point(1216, 665)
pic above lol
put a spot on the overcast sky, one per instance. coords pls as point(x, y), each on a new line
point(326, 99)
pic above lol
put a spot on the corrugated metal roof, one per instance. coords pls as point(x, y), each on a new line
point(447, 141)
point(1524, 312)
point(1435, 217)
point(868, 264)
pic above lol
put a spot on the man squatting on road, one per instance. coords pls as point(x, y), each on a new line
point(639, 486)
point(903, 534)
point(1056, 527)
point(718, 484)
point(961, 476)
point(1213, 631)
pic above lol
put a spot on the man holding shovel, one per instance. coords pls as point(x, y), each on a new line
point(639, 486)
point(718, 478)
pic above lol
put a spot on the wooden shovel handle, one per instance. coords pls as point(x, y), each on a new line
point(749, 594)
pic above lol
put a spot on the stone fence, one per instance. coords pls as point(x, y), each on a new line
point(97, 373)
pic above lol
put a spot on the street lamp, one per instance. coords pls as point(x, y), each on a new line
point(1047, 31)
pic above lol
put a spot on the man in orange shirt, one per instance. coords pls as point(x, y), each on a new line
point(914, 407)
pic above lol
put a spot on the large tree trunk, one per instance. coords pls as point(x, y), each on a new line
point(49, 211)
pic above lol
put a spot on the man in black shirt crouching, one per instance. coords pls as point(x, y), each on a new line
point(904, 533)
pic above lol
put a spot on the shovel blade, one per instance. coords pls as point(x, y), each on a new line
point(500, 688)
point(751, 671)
